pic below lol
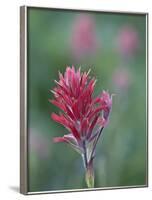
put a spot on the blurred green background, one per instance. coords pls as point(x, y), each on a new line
point(114, 47)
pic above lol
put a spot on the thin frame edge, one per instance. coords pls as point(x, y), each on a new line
point(23, 100)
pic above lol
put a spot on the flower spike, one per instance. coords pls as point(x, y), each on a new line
point(82, 115)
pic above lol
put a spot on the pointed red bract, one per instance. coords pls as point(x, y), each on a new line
point(82, 113)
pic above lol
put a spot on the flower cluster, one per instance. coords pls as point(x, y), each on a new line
point(128, 41)
point(82, 115)
point(84, 39)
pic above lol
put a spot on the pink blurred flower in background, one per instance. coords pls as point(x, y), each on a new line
point(128, 41)
point(83, 115)
point(84, 38)
point(121, 78)
point(39, 144)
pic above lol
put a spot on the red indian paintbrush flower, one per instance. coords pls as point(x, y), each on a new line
point(82, 115)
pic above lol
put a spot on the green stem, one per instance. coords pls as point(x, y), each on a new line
point(89, 172)
point(90, 175)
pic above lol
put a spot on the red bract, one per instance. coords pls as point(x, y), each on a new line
point(83, 115)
